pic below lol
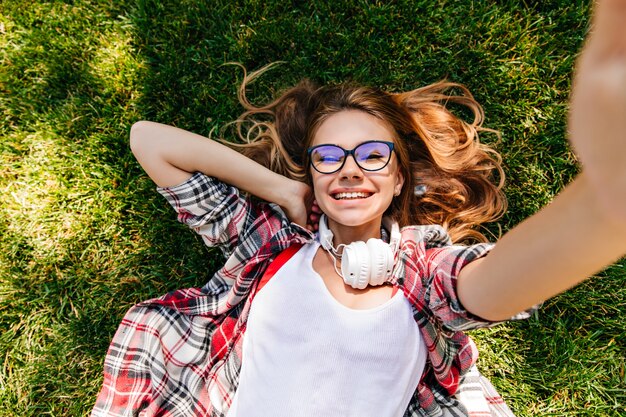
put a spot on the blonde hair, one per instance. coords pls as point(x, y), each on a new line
point(436, 149)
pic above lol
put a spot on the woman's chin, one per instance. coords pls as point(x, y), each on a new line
point(353, 218)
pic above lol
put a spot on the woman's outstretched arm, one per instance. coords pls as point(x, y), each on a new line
point(584, 229)
point(170, 155)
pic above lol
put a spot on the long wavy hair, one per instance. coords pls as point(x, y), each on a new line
point(458, 179)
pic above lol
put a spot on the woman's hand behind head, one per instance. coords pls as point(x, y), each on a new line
point(297, 204)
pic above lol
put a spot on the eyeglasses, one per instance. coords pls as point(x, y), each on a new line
point(372, 155)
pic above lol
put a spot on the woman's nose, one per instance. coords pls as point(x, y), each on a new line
point(350, 169)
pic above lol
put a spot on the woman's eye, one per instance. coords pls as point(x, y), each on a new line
point(373, 156)
point(329, 158)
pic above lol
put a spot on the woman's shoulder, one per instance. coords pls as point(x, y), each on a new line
point(432, 247)
point(427, 235)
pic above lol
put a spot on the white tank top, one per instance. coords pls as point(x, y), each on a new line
point(306, 354)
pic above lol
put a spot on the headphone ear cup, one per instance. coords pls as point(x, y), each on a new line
point(381, 261)
point(355, 265)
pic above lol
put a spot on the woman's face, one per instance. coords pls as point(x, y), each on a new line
point(374, 189)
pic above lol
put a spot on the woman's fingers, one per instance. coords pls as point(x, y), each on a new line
point(314, 216)
point(608, 27)
point(597, 119)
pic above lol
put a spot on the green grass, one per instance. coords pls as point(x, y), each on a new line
point(83, 234)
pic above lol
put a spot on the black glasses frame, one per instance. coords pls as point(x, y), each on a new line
point(347, 152)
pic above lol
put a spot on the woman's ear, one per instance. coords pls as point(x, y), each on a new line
point(399, 183)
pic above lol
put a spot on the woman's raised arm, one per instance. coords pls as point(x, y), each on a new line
point(170, 155)
point(584, 229)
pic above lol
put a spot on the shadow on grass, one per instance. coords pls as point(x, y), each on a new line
point(85, 235)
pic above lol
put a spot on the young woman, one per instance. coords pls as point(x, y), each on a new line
point(365, 317)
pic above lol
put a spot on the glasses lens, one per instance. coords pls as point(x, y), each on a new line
point(327, 158)
point(372, 156)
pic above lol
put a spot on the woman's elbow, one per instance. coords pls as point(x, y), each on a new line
point(139, 132)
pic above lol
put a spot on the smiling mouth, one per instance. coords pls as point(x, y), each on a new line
point(351, 196)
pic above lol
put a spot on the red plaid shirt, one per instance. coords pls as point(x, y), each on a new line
point(180, 354)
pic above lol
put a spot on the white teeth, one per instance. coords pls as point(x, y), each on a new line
point(345, 196)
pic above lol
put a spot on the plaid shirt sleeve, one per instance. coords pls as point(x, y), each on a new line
point(213, 209)
point(442, 268)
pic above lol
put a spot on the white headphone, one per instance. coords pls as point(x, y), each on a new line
point(363, 263)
